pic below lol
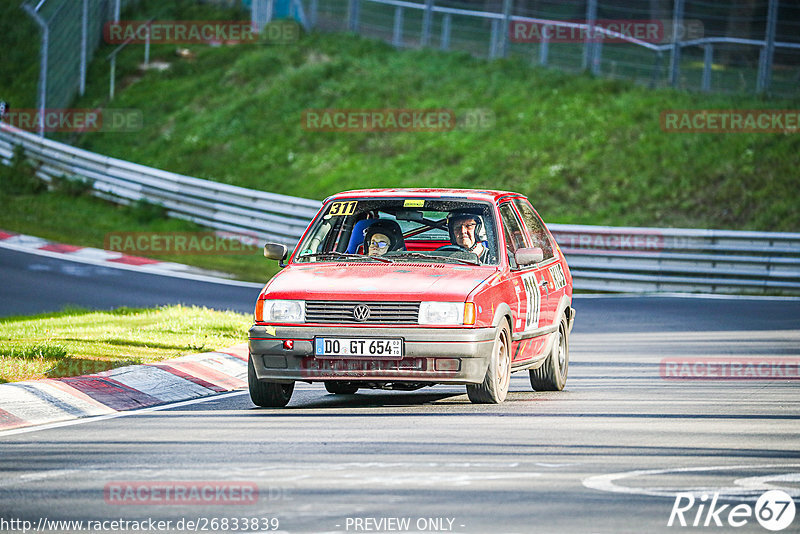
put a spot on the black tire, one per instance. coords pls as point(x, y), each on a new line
point(494, 388)
point(552, 375)
point(267, 394)
point(340, 388)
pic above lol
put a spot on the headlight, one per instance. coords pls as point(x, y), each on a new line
point(441, 313)
point(284, 311)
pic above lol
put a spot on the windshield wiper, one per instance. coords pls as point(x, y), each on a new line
point(346, 256)
point(436, 257)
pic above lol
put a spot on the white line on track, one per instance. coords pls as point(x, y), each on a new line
point(113, 265)
point(119, 414)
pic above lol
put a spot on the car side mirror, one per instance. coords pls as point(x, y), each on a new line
point(276, 251)
point(529, 256)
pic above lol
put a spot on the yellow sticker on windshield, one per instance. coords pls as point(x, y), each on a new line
point(343, 208)
point(411, 203)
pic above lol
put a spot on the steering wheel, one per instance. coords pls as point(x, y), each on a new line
point(451, 248)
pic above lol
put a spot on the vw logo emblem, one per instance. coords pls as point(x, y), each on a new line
point(361, 312)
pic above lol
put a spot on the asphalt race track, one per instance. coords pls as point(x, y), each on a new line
point(607, 455)
point(39, 284)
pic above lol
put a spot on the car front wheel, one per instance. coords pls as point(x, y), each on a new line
point(494, 388)
point(267, 394)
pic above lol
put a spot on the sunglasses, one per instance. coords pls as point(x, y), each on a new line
point(379, 244)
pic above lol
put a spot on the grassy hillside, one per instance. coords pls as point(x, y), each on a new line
point(585, 150)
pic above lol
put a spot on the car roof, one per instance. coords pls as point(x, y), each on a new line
point(466, 194)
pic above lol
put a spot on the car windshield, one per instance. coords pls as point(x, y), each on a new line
point(390, 230)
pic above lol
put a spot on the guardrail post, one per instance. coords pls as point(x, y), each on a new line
point(427, 20)
point(708, 61)
point(768, 52)
point(675, 58)
point(397, 32)
point(588, 42)
point(507, 7)
point(353, 8)
point(445, 44)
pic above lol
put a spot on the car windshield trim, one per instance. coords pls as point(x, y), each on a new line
point(435, 257)
point(335, 254)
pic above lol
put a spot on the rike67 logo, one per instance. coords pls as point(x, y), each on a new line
point(774, 510)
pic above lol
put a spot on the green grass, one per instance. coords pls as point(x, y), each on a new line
point(76, 341)
point(584, 150)
point(86, 221)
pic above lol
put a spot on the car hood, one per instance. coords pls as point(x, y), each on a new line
point(377, 281)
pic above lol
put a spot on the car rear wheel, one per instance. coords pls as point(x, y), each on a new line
point(340, 388)
point(267, 394)
point(494, 388)
point(552, 375)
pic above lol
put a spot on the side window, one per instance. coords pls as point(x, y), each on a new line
point(515, 235)
point(535, 227)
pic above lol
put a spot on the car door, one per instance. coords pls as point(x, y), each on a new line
point(529, 283)
point(550, 270)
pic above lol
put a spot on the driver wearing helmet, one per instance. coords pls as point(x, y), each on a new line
point(466, 232)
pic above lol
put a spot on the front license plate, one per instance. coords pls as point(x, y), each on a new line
point(325, 347)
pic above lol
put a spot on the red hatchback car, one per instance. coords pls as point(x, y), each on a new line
point(406, 288)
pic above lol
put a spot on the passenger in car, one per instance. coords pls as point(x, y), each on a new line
point(383, 236)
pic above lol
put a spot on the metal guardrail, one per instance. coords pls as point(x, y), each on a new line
point(601, 258)
point(226, 207)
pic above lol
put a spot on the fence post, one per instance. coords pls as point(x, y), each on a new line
point(597, 53)
point(116, 10)
point(765, 63)
point(147, 47)
point(493, 39)
point(312, 13)
point(656, 68)
point(353, 8)
point(544, 47)
point(507, 7)
point(675, 58)
point(588, 43)
point(84, 39)
point(427, 19)
point(113, 75)
point(42, 63)
point(708, 61)
point(445, 44)
point(397, 32)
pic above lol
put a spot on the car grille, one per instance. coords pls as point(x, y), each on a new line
point(341, 311)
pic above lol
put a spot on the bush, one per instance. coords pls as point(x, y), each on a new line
point(145, 211)
point(19, 177)
point(72, 186)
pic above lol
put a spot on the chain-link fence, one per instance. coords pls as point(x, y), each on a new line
point(711, 45)
point(71, 30)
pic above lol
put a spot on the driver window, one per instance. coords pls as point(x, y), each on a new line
point(535, 226)
point(515, 236)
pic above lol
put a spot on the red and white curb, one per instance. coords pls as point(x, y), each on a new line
point(107, 258)
point(38, 402)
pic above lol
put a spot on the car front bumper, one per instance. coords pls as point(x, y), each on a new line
point(433, 355)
